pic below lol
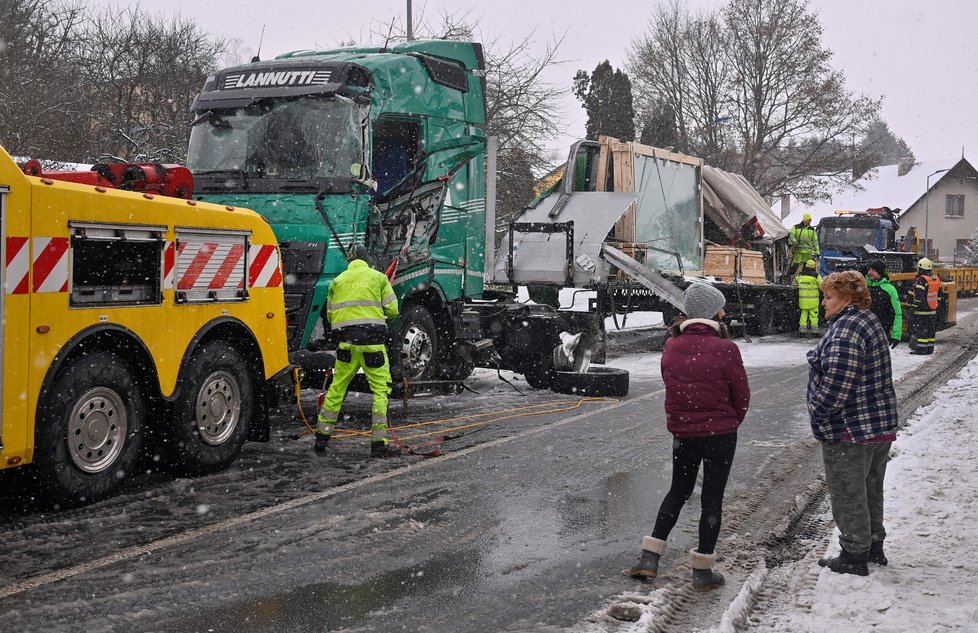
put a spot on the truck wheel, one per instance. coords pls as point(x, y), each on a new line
point(211, 420)
point(90, 430)
point(598, 381)
point(417, 345)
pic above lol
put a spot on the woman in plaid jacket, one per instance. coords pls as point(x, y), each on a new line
point(853, 411)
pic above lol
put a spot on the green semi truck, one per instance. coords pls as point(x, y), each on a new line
point(386, 147)
point(383, 147)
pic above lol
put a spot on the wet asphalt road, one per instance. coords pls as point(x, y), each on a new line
point(525, 524)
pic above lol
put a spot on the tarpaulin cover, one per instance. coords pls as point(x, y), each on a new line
point(731, 202)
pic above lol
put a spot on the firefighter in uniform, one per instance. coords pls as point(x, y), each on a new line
point(358, 304)
point(808, 282)
point(803, 242)
point(923, 300)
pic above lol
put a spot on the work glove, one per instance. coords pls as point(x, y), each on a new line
point(894, 342)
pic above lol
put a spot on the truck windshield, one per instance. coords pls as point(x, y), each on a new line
point(307, 138)
point(845, 238)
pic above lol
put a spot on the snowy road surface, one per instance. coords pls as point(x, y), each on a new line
point(524, 524)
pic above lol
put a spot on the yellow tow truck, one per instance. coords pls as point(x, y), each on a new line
point(129, 315)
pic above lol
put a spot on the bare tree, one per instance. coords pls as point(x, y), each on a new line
point(753, 92)
point(144, 72)
point(44, 112)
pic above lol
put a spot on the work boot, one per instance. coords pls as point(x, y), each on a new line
point(876, 554)
point(846, 563)
point(648, 565)
point(704, 578)
point(384, 449)
point(321, 442)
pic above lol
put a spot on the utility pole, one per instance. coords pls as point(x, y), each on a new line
point(926, 210)
point(410, 26)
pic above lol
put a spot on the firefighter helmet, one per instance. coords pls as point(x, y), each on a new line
point(925, 264)
point(810, 264)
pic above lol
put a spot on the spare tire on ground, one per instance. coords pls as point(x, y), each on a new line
point(597, 381)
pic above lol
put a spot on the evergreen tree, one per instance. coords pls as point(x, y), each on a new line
point(659, 127)
point(606, 95)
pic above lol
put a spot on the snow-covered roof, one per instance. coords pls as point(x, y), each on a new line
point(879, 187)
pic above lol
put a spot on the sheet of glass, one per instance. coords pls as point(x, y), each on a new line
point(670, 216)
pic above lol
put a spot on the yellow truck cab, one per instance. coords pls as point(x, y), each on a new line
point(128, 316)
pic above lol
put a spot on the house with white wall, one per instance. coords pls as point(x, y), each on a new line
point(939, 199)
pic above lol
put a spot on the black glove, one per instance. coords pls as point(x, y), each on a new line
point(894, 342)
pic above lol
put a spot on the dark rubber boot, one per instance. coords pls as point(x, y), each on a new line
point(383, 449)
point(321, 442)
point(846, 563)
point(704, 578)
point(648, 564)
point(876, 554)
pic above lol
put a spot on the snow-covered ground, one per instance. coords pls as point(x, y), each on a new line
point(931, 520)
point(931, 510)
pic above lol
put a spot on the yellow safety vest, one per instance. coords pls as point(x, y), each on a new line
point(360, 295)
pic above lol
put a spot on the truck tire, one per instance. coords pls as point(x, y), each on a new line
point(89, 430)
point(211, 420)
point(598, 381)
point(417, 347)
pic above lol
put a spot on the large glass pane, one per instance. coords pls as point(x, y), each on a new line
point(306, 138)
point(670, 216)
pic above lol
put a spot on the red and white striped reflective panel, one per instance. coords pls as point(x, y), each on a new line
point(169, 259)
point(211, 264)
point(263, 267)
point(50, 264)
point(18, 265)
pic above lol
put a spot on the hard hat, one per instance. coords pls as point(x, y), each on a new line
point(810, 263)
point(925, 264)
point(806, 217)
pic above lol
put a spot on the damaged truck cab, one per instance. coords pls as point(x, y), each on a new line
point(383, 147)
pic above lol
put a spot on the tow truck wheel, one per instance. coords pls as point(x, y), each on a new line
point(211, 419)
point(417, 345)
point(90, 430)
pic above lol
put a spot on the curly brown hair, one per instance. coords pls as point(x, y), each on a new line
point(851, 284)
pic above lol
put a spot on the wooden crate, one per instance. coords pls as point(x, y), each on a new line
point(722, 261)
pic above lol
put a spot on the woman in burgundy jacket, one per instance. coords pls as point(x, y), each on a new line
point(707, 396)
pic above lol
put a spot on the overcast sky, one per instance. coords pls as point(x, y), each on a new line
point(920, 57)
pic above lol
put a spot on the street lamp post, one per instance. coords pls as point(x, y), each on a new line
point(927, 212)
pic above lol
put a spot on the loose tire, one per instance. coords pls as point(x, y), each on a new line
point(598, 381)
point(212, 418)
point(89, 430)
point(417, 348)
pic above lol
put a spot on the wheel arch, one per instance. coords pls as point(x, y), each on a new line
point(238, 335)
point(112, 338)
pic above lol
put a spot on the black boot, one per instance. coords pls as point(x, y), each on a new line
point(876, 554)
point(383, 449)
point(704, 578)
point(321, 442)
point(648, 564)
point(846, 563)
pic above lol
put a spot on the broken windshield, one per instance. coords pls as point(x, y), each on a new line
point(309, 138)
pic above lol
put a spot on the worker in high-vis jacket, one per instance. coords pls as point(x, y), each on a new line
point(924, 299)
point(803, 243)
point(358, 304)
point(808, 282)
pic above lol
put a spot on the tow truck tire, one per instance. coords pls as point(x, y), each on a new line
point(89, 430)
point(598, 381)
point(212, 417)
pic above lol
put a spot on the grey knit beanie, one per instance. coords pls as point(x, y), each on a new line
point(702, 301)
